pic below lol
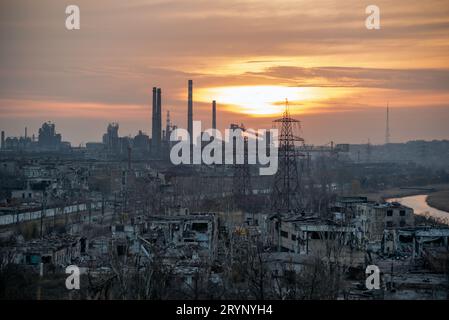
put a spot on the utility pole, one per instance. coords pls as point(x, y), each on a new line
point(115, 208)
point(279, 233)
point(89, 203)
point(103, 203)
point(44, 196)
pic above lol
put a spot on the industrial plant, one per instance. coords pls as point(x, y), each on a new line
point(140, 227)
point(225, 158)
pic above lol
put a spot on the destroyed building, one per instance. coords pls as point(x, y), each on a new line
point(194, 230)
point(373, 218)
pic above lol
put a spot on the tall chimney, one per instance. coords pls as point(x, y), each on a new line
point(190, 111)
point(154, 122)
point(159, 120)
point(26, 132)
point(214, 115)
point(3, 140)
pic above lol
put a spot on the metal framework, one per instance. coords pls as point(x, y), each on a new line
point(287, 182)
point(242, 178)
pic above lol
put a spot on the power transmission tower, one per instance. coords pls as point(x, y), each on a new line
point(287, 187)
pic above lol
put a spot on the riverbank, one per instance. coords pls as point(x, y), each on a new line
point(439, 200)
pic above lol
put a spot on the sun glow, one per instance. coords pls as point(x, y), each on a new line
point(258, 100)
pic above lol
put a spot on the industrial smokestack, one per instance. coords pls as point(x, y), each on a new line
point(159, 119)
point(214, 115)
point(190, 110)
point(3, 140)
point(153, 118)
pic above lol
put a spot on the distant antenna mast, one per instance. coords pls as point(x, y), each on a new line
point(387, 132)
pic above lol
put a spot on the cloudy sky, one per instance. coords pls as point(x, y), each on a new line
point(249, 55)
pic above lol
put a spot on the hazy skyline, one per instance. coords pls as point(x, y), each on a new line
point(248, 55)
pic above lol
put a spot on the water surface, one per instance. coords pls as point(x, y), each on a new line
point(420, 206)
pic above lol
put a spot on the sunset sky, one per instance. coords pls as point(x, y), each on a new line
point(248, 55)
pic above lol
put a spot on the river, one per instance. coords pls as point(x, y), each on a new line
point(420, 206)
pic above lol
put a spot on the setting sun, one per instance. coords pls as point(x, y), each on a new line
point(261, 101)
point(257, 100)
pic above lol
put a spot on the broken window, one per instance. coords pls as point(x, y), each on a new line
point(199, 226)
point(83, 245)
point(402, 213)
point(389, 213)
point(315, 235)
point(284, 234)
point(290, 276)
point(405, 239)
point(121, 250)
